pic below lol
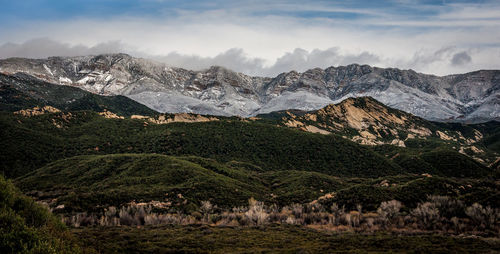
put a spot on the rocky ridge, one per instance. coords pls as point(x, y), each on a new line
point(472, 97)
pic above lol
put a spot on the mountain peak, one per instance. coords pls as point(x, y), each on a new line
point(373, 122)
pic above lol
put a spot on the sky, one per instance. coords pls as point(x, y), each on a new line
point(258, 37)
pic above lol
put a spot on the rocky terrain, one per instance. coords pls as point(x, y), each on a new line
point(470, 97)
point(367, 121)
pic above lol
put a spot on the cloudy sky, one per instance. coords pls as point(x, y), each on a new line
point(261, 37)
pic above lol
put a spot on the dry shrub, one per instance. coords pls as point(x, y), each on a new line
point(256, 213)
point(483, 217)
point(355, 218)
point(389, 210)
point(429, 215)
point(206, 207)
point(448, 207)
point(426, 214)
point(126, 218)
point(338, 214)
point(297, 210)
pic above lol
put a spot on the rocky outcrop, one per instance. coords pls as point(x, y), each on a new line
point(37, 111)
point(111, 115)
point(176, 118)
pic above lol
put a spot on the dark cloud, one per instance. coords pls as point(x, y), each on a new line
point(461, 58)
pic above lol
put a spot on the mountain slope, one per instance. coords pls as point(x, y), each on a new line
point(367, 121)
point(469, 97)
point(22, 91)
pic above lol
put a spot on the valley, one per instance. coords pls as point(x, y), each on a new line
point(122, 176)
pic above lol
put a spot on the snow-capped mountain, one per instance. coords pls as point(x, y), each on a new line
point(472, 96)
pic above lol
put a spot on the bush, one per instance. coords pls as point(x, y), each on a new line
point(26, 227)
point(484, 217)
point(426, 215)
point(256, 213)
point(389, 210)
point(448, 207)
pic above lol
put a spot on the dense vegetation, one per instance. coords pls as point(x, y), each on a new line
point(93, 182)
point(83, 183)
point(30, 143)
point(434, 158)
point(26, 227)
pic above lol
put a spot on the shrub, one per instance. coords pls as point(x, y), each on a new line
point(426, 215)
point(297, 210)
point(256, 213)
point(337, 213)
point(206, 207)
point(389, 210)
point(448, 207)
point(126, 218)
point(484, 217)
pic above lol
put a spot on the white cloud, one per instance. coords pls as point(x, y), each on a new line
point(44, 47)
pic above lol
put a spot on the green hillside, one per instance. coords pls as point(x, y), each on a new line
point(27, 227)
point(89, 181)
point(30, 143)
point(93, 182)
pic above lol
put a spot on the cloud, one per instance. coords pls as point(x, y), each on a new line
point(44, 47)
point(461, 58)
point(444, 60)
point(234, 59)
point(299, 59)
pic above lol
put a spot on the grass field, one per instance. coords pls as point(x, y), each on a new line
point(271, 239)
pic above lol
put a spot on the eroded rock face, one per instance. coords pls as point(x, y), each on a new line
point(472, 96)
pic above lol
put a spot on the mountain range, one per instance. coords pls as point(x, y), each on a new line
point(319, 149)
point(470, 97)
